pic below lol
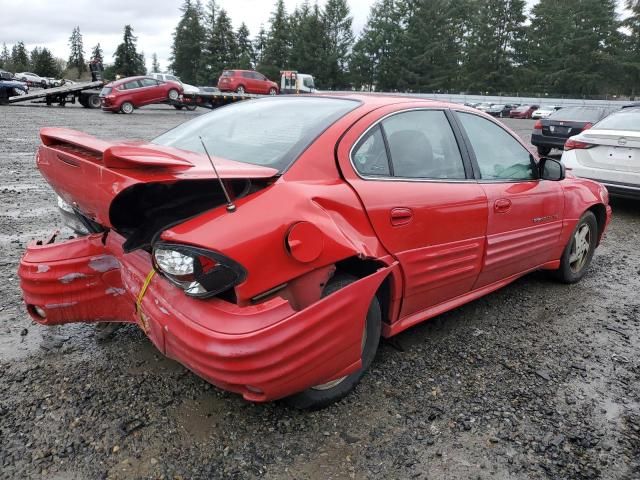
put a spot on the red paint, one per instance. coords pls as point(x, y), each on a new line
point(250, 80)
point(435, 244)
point(139, 91)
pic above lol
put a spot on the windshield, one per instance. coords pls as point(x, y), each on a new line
point(271, 132)
point(578, 114)
point(628, 120)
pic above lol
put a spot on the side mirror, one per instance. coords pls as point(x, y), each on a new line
point(551, 169)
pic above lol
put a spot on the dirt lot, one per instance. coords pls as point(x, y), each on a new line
point(538, 380)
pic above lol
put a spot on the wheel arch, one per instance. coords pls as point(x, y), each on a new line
point(600, 211)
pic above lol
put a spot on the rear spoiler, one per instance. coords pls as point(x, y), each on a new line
point(112, 155)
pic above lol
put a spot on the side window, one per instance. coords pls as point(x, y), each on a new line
point(148, 82)
point(422, 145)
point(499, 155)
point(247, 74)
point(370, 155)
point(132, 84)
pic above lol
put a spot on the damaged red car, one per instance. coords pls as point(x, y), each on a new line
point(269, 244)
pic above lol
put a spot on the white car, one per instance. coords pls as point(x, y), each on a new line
point(609, 152)
point(32, 79)
point(544, 111)
point(163, 77)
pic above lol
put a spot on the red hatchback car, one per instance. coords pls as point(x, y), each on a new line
point(328, 222)
point(524, 111)
point(246, 81)
point(129, 93)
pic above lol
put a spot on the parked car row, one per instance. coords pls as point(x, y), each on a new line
point(514, 110)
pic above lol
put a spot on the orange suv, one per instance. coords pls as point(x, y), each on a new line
point(246, 81)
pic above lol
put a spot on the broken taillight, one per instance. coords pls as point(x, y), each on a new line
point(199, 272)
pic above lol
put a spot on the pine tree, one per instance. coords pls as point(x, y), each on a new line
point(579, 56)
point(43, 63)
point(223, 36)
point(97, 54)
point(188, 40)
point(76, 57)
point(5, 58)
point(155, 66)
point(19, 58)
point(339, 41)
point(259, 44)
point(245, 48)
point(494, 29)
point(631, 49)
point(309, 41)
point(127, 61)
point(278, 45)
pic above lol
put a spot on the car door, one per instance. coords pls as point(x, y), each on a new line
point(152, 91)
point(525, 213)
point(415, 185)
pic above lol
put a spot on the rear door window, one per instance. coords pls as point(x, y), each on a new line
point(131, 85)
point(149, 82)
point(422, 145)
point(370, 154)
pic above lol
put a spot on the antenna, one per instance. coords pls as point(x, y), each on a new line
point(231, 207)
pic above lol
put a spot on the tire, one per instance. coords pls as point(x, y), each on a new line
point(240, 89)
point(191, 108)
point(320, 396)
point(178, 107)
point(93, 101)
point(273, 91)
point(173, 94)
point(126, 107)
point(578, 253)
point(544, 151)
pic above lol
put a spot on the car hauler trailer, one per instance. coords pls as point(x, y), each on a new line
point(87, 94)
point(210, 99)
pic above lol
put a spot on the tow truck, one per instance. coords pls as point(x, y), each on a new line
point(86, 94)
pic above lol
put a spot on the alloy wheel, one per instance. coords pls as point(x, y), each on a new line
point(580, 248)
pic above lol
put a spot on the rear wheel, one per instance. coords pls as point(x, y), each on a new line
point(126, 107)
point(240, 89)
point(544, 151)
point(173, 94)
point(93, 101)
point(191, 108)
point(178, 107)
point(578, 253)
point(272, 91)
point(322, 395)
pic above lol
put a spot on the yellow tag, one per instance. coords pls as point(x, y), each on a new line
point(142, 318)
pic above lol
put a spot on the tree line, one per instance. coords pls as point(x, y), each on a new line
point(568, 47)
point(578, 47)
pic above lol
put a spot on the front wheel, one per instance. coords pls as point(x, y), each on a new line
point(578, 253)
point(272, 91)
point(173, 94)
point(322, 395)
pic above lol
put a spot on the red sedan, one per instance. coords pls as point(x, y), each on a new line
point(524, 111)
point(327, 222)
point(129, 93)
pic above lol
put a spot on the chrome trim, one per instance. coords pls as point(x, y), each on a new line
point(385, 178)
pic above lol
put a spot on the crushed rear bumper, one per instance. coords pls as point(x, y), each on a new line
point(263, 352)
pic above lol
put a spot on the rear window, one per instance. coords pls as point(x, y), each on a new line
point(271, 132)
point(628, 120)
point(578, 114)
point(523, 108)
point(105, 91)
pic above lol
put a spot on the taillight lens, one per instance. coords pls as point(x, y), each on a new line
point(587, 126)
point(572, 144)
point(537, 125)
point(200, 273)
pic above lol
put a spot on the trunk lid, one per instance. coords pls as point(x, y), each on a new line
point(137, 188)
point(616, 150)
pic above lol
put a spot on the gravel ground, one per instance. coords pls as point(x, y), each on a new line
point(538, 380)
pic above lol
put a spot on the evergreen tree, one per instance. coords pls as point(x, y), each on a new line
point(76, 57)
point(127, 61)
point(155, 66)
point(223, 49)
point(188, 40)
point(5, 58)
point(97, 54)
point(377, 55)
point(278, 45)
point(631, 49)
point(309, 43)
point(494, 30)
point(43, 63)
point(258, 46)
point(434, 45)
point(577, 56)
point(339, 40)
point(245, 48)
point(19, 58)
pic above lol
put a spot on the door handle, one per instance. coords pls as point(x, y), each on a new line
point(502, 205)
point(401, 216)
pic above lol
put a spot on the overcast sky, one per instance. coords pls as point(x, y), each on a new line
point(48, 23)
